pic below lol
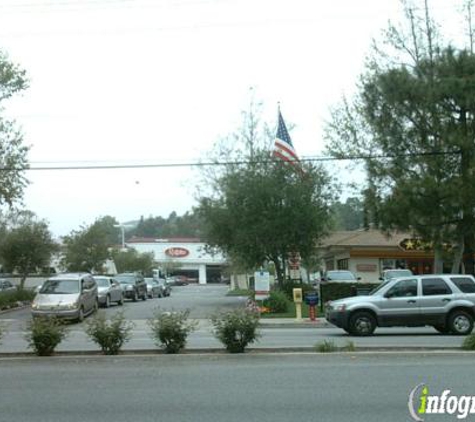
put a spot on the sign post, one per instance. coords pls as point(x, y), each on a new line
point(261, 285)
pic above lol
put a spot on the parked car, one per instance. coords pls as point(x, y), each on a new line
point(133, 286)
point(70, 296)
point(165, 287)
point(153, 288)
point(445, 302)
point(109, 290)
point(340, 276)
point(394, 273)
point(177, 280)
point(6, 285)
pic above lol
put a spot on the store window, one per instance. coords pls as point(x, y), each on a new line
point(342, 264)
point(329, 265)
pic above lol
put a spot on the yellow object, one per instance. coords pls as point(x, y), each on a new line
point(298, 311)
point(297, 295)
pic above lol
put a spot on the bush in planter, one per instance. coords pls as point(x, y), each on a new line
point(236, 329)
point(469, 342)
point(277, 302)
point(111, 334)
point(2, 331)
point(171, 329)
point(43, 334)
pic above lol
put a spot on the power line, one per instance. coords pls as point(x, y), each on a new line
point(310, 159)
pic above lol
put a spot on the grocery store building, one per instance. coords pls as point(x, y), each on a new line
point(187, 257)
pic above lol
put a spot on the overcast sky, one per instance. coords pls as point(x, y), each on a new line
point(159, 81)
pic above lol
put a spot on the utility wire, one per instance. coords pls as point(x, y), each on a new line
point(224, 163)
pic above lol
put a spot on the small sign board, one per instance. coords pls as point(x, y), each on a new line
point(261, 285)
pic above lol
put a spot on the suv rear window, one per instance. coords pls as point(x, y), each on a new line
point(465, 284)
point(435, 286)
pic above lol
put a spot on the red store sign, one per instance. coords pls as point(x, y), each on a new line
point(177, 252)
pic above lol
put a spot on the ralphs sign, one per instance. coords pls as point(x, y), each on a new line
point(177, 252)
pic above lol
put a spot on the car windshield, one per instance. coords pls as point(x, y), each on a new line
point(60, 287)
point(341, 275)
point(377, 289)
point(125, 279)
point(150, 281)
point(102, 282)
point(397, 273)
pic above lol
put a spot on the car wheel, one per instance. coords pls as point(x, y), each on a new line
point(460, 322)
point(442, 329)
point(81, 315)
point(108, 302)
point(121, 300)
point(362, 324)
point(136, 296)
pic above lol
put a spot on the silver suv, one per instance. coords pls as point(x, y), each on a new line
point(445, 302)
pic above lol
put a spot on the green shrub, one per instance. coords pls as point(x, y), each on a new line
point(111, 334)
point(236, 329)
point(3, 328)
point(349, 346)
point(15, 298)
point(334, 291)
point(469, 342)
point(289, 286)
point(171, 329)
point(277, 302)
point(326, 346)
point(44, 334)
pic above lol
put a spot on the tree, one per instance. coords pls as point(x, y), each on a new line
point(27, 248)
point(13, 154)
point(87, 249)
point(266, 210)
point(413, 120)
point(348, 215)
point(132, 260)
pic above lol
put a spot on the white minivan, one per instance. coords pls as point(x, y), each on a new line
point(70, 296)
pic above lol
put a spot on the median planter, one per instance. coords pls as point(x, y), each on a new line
point(236, 329)
point(44, 334)
point(171, 329)
point(111, 334)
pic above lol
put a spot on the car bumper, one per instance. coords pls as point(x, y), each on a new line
point(63, 314)
point(338, 318)
point(101, 299)
point(129, 294)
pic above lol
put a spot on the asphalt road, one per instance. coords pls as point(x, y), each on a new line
point(202, 301)
point(226, 388)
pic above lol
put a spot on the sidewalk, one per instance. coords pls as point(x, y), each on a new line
point(294, 323)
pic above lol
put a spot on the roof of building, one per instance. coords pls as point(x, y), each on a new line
point(364, 238)
point(167, 240)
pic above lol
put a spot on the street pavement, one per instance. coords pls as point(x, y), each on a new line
point(228, 388)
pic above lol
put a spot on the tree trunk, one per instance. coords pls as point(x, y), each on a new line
point(22, 281)
point(438, 262)
point(457, 255)
point(278, 271)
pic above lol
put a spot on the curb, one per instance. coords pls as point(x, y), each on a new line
point(250, 351)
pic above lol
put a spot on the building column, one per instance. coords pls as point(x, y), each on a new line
point(202, 274)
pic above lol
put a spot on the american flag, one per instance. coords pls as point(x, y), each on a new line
point(283, 147)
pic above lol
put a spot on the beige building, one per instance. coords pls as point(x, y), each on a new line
point(368, 252)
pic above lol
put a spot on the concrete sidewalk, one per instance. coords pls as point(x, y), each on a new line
point(294, 323)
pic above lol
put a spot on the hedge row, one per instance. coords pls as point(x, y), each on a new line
point(14, 298)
